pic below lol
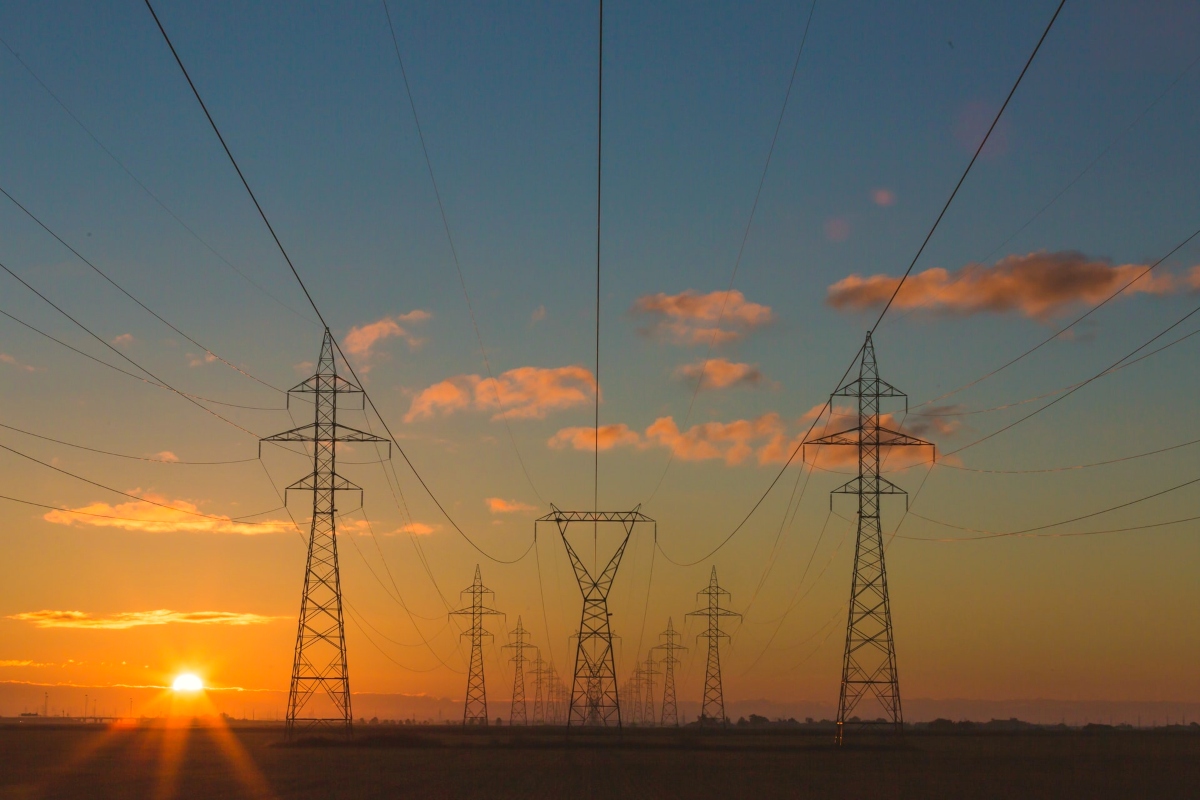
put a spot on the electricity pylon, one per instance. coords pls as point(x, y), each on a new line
point(713, 708)
point(539, 673)
point(869, 660)
point(594, 696)
point(475, 710)
point(517, 712)
point(319, 692)
point(670, 709)
point(648, 673)
point(636, 681)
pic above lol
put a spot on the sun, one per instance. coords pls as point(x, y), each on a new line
point(187, 682)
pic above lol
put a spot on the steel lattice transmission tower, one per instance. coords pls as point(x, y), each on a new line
point(319, 692)
point(475, 710)
point(670, 709)
point(594, 696)
point(869, 662)
point(713, 708)
point(648, 673)
point(539, 673)
point(517, 714)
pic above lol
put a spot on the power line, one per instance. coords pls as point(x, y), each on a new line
point(454, 252)
point(967, 171)
point(82, 513)
point(737, 263)
point(1068, 535)
point(599, 163)
point(309, 297)
point(124, 455)
point(143, 186)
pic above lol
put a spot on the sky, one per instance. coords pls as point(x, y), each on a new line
point(1088, 178)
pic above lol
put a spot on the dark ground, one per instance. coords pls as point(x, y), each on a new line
point(148, 762)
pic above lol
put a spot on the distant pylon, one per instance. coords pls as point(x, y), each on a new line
point(319, 692)
point(713, 709)
point(636, 682)
point(539, 673)
point(670, 709)
point(648, 673)
point(475, 711)
point(594, 695)
point(869, 660)
point(517, 711)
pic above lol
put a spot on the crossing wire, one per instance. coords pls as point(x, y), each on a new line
point(312, 302)
point(123, 455)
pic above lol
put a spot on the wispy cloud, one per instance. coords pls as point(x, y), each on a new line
point(361, 339)
point(124, 340)
point(149, 518)
point(617, 435)
point(525, 392)
point(498, 505)
point(13, 361)
point(200, 360)
point(883, 197)
point(538, 314)
point(11, 662)
point(691, 318)
point(1037, 285)
point(720, 373)
point(136, 619)
point(166, 455)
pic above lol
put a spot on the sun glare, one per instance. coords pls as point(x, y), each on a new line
point(187, 682)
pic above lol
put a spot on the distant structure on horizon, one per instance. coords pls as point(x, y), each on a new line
point(475, 710)
point(712, 710)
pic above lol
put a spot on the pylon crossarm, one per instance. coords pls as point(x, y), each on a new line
point(846, 437)
point(891, 438)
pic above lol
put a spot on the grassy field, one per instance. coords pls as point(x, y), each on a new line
point(217, 762)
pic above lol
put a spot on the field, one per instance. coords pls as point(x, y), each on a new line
point(218, 762)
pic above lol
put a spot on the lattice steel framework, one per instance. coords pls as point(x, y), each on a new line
point(648, 673)
point(319, 692)
point(712, 711)
point(594, 695)
point(518, 712)
point(869, 661)
point(475, 710)
point(670, 709)
point(540, 673)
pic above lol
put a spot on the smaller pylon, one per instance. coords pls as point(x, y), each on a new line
point(670, 709)
point(539, 673)
point(713, 709)
point(475, 711)
point(634, 693)
point(517, 712)
point(648, 673)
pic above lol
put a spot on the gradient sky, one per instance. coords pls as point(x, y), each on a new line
point(888, 105)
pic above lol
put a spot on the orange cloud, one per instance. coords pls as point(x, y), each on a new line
point(199, 361)
point(498, 505)
point(12, 361)
point(361, 339)
point(732, 442)
point(691, 318)
point(1037, 285)
point(417, 528)
point(883, 197)
point(166, 455)
point(585, 438)
point(524, 392)
point(135, 619)
point(719, 373)
point(148, 518)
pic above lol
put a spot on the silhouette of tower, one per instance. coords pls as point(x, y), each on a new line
point(475, 710)
point(869, 660)
point(670, 709)
point(319, 692)
point(594, 695)
point(648, 673)
point(713, 709)
point(636, 683)
point(539, 673)
point(517, 712)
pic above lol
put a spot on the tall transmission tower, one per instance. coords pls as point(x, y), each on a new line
point(594, 696)
point(539, 673)
point(648, 673)
point(670, 709)
point(869, 660)
point(319, 692)
point(517, 714)
point(713, 709)
point(475, 711)
point(636, 683)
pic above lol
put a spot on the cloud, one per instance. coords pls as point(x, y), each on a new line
point(16, 663)
point(690, 318)
point(837, 229)
point(842, 457)
point(304, 368)
point(538, 315)
point(361, 339)
point(498, 505)
point(1037, 285)
point(883, 197)
point(142, 517)
point(720, 374)
point(611, 436)
point(524, 392)
point(136, 619)
point(166, 455)
point(124, 340)
point(12, 361)
point(418, 528)
point(732, 442)
point(199, 361)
